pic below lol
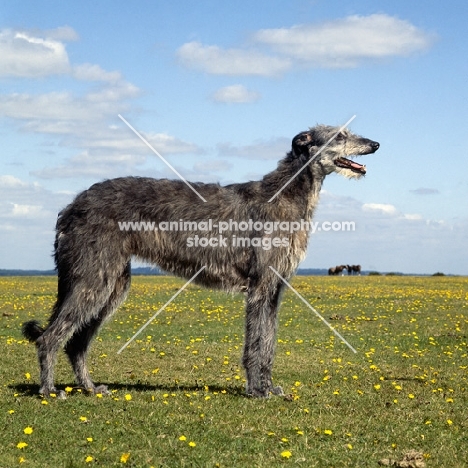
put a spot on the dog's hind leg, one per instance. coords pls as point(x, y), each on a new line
point(260, 334)
point(79, 302)
point(78, 345)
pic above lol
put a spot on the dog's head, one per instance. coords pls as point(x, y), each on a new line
point(328, 147)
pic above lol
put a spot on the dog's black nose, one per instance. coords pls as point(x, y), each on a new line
point(375, 145)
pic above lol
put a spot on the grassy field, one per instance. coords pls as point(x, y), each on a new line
point(178, 389)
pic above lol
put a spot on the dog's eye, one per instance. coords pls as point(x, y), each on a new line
point(339, 137)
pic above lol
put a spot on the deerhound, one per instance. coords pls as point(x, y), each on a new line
point(93, 251)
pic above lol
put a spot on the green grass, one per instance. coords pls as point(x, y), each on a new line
point(406, 388)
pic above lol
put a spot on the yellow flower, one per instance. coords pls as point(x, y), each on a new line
point(449, 422)
point(27, 376)
point(182, 438)
point(89, 439)
point(349, 446)
point(128, 397)
point(83, 419)
point(21, 445)
point(11, 411)
point(377, 387)
point(89, 459)
point(68, 389)
point(328, 432)
point(28, 430)
point(286, 454)
point(192, 444)
point(124, 458)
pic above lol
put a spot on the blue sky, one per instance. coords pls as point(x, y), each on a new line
point(220, 90)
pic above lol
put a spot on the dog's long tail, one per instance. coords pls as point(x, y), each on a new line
point(32, 330)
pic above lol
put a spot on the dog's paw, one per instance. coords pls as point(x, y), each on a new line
point(102, 389)
point(257, 392)
point(52, 392)
point(278, 391)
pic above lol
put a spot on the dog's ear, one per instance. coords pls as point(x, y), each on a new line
point(301, 143)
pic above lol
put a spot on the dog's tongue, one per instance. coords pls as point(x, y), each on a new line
point(355, 165)
point(347, 163)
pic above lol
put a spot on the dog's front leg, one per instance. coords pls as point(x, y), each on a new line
point(260, 339)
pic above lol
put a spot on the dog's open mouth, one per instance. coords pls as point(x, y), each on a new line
point(351, 165)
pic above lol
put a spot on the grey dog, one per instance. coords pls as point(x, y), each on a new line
point(93, 251)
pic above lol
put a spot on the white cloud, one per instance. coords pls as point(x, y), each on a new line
point(62, 33)
point(218, 61)
point(90, 72)
point(346, 42)
point(9, 181)
point(235, 94)
point(383, 208)
point(341, 43)
point(25, 55)
point(27, 211)
point(413, 217)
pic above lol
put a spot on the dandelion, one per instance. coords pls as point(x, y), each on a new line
point(11, 411)
point(377, 387)
point(328, 432)
point(192, 444)
point(89, 439)
point(410, 396)
point(182, 438)
point(83, 419)
point(128, 397)
point(89, 459)
point(68, 389)
point(28, 430)
point(124, 458)
point(286, 454)
point(21, 445)
point(27, 376)
point(350, 447)
point(449, 422)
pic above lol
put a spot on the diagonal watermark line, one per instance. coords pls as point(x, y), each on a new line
point(158, 155)
point(161, 309)
point(311, 159)
point(313, 310)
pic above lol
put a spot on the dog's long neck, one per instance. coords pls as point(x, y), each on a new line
point(303, 187)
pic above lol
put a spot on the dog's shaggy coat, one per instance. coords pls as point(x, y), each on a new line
point(92, 254)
